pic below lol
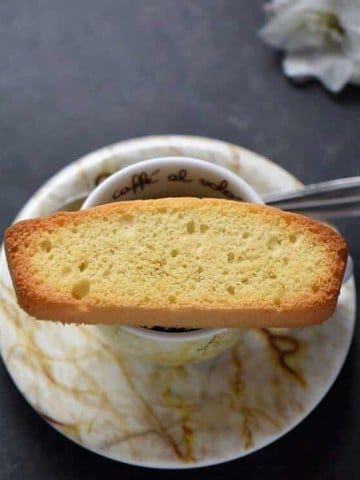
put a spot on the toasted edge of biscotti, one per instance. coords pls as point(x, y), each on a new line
point(58, 308)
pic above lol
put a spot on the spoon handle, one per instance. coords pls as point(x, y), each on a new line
point(328, 209)
point(327, 200)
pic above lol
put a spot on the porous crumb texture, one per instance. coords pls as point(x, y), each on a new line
point(177, 253)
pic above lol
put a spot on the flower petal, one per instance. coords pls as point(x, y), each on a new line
point(347, 10)
point(333, 70)
point(321, 39)
point(278, 6)
point(355, 77)
point(299, 25)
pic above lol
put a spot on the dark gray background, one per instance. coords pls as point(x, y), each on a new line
point(77, 75)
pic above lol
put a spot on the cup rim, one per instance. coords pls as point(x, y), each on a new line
point(177, 161)
point(112, 180)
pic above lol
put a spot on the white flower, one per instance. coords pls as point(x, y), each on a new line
point(321, 39)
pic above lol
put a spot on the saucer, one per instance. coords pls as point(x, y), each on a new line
point(169, 417)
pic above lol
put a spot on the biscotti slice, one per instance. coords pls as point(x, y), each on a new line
point(177, 262)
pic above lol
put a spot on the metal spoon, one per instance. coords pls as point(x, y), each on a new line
point(325, 201)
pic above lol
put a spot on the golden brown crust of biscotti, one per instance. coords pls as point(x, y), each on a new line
point(234, 305)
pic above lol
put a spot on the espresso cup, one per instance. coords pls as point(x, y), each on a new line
point(170, 177)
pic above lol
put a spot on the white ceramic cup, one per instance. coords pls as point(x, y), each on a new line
point(170, 177)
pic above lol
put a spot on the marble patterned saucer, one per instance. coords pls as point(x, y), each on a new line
point(169, 417)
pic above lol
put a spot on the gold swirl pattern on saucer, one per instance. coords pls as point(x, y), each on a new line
point(158, 416)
